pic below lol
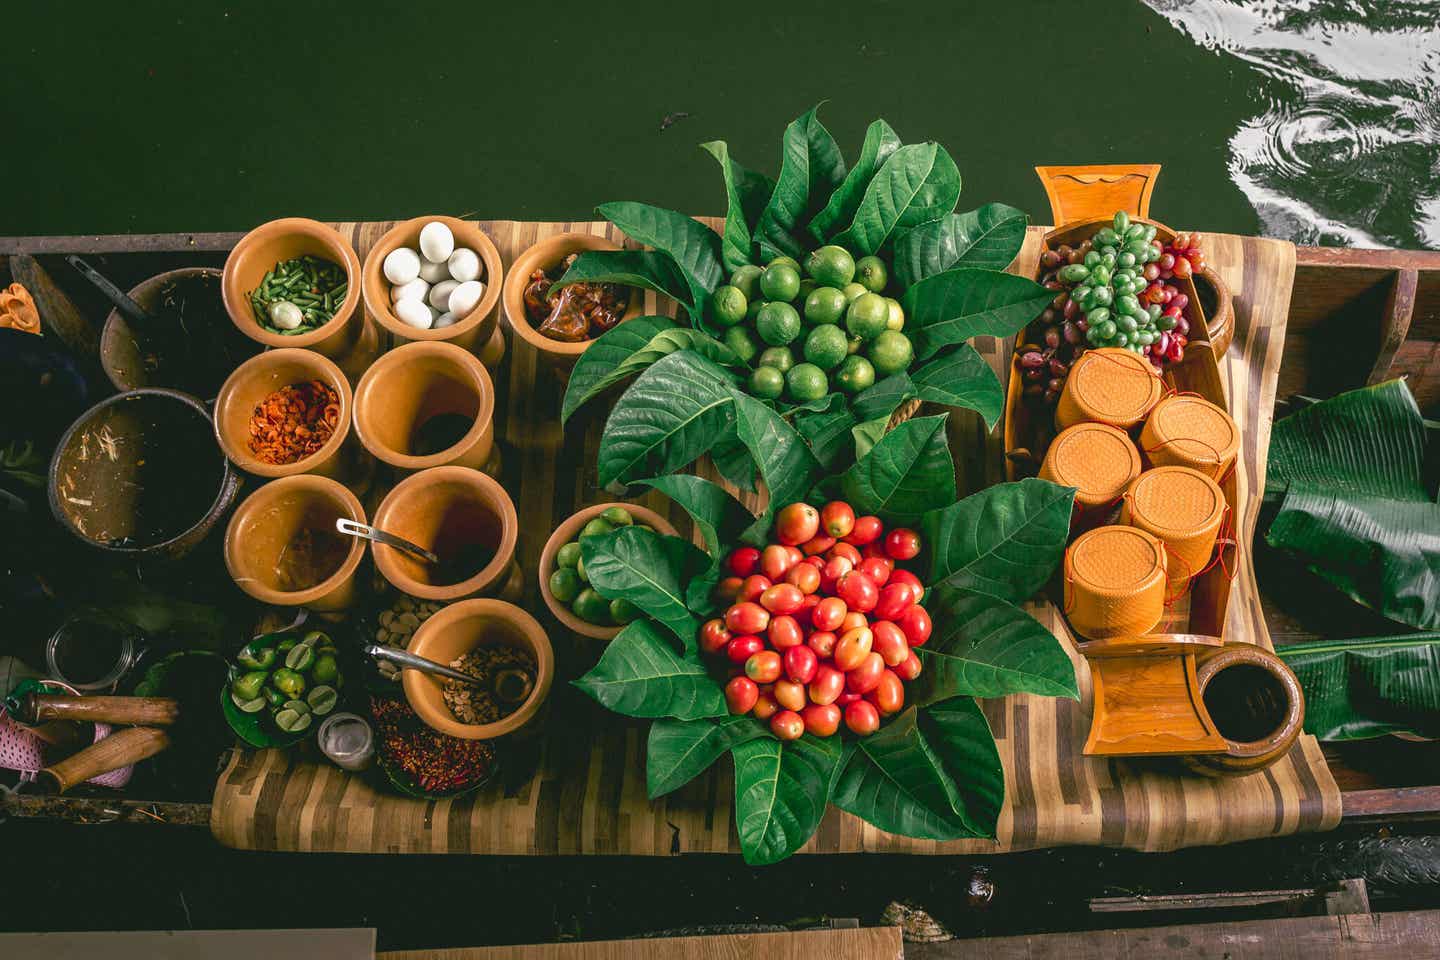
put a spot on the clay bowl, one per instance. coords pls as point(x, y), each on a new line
point(454, 632)
point(256, 379)
point(124, 351)
point(472, 331)
point(569, 530)
point(544, 255)
point(275, 523)
point(410, 386)
point(139, 474)
point(346, 338)
point(460, 514)
point(1256, 704)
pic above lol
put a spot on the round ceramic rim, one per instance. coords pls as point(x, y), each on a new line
point(392, 239)
point(519, 274)
point(247, 461)
point(244, 318)
point(296, 598)
point(484, 417)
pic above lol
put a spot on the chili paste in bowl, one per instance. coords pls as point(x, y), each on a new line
point(577, 312)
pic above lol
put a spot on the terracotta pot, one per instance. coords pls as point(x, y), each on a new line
point(1255, 702)
point(454, 632)
point(411, 385)
point(120, 352)
point(455, 512)
point(346, 338)
point(546, 254)
point(164, 462)
point(262, 375)
point(570, 530)
point(472, 331)
point(267, 528)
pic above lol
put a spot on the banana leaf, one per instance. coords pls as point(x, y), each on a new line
point(1369, 687)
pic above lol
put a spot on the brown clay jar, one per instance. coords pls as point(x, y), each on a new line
point(1256, 704)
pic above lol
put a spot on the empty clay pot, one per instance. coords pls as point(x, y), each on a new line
point(1256, 704)
point(454, 632)
point(472, 331)
point(545, 255)
point(463, 516)
point(346, 338)
point(282, 548)
point(256, 379)
point(427, 405)
point(569, 530)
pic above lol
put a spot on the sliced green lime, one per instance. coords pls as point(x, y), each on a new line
point(322, 700)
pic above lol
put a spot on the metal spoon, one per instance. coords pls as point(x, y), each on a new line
point(415, 662)
point(366, 532)
point(129, 309)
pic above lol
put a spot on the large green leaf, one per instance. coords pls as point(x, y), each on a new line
point(781, 791)
point(960, 377)
point(953, 306)
point(960, 735)
point(785, 461)
point(827, 431)
point(648, 569)
point(641, 675)
point(908, 473)
point(630, 347)
point(867, 434)
point(919, 182)
point(989, 237)
point(1368, 687)
point(896, 781)
point(635, 268)
point(746, 193)
point(884, 397)
point(734, 461)
point(811, 167)
point(719, 517)
point(674, 412)
point(1004, 541)
point(986, 647)
point(678, 751)
point(694, 247)
point(1369, 442)
point(880, 143)
point(1382, 553)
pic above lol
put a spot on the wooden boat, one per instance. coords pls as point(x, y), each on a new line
point(1356, 317)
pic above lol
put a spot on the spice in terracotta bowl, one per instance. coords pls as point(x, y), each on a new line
point(504, 676)
point(299, 295)
point(294, 422)
point(579, 311)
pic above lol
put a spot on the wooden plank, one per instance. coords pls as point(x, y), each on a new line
point(866, 943)
point(1392, 802)
point(58, 314)
point(1394, 322)
point(1367, 936)
point(1347, 257)
point(25, 806)
point(122, 243)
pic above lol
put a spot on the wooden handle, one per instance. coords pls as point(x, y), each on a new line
point(129, 711)
point(1098, 190)
point(121, 749)
point(1220, 324)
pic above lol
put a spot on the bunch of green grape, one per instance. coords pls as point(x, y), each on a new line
point(1108, 281)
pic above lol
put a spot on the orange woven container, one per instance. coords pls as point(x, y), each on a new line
point(1114, 582)
point(1187, 431)
point(1184, 508)
point(1108, 385)
point(1098, 460)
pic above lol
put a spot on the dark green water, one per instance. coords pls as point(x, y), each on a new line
point(1321, 126)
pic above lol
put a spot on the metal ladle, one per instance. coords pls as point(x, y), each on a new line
point(366, 532)
point(510, 685)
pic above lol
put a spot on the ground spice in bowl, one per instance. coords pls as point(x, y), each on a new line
point(504, 676)
point(433, 762)
point(294, 422)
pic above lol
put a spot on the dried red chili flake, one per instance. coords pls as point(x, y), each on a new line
point(435, 762)
point(294, 422)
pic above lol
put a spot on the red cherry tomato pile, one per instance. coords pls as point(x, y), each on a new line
point(822, 623)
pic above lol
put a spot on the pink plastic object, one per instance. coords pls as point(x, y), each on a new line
point(22, 751)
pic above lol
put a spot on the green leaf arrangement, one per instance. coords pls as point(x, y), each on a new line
point(897, 202)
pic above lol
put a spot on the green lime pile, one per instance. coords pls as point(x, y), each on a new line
point(810, 330)
point(571, 587)
point(295, 679)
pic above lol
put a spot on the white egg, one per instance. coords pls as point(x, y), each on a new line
point(434, 272)
point(465, 297)
point(464, 265)
point(436, 242)
point(414, 313)
point(416, 289)
point(440, 294)
point(402, 265)
point(446, 319)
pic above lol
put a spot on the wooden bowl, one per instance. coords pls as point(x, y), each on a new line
point(120, 347)
point(472, 331)
point(445, 510)
point(1255, 702)
point(144, 455)
point(265, 528)
point(569, 530)
point(256, 379)
point(543, 255)
point(270, 243)
point(454, 632)
point(414, 383)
